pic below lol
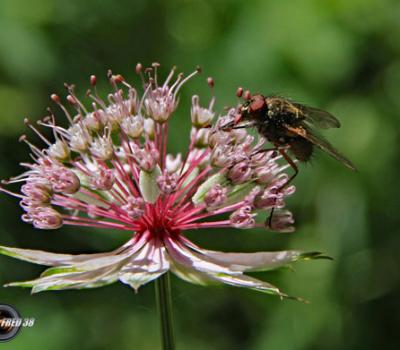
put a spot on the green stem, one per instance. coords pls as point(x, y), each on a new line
point(164, 305)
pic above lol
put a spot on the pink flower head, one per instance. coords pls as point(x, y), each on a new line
point(110, 168)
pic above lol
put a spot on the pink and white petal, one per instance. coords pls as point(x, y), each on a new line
point(38, 256)
point(129, 250)
point(90, 265)
point(191, 275)
point(70, 280)
point(248, 282)
point(185, 256)
point(95, 270)
point(137, 278)
point(53, 259)
point(147, 265)
point(257, 261)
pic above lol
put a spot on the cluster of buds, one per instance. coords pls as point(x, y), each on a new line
point(111, 169)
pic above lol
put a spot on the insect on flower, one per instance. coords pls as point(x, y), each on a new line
point(288, 126)
point(110, 168)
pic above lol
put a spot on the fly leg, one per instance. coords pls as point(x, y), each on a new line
point(264, 150)
point(281, 150)
point(231, 125)
point(246, 126)
point(268, 222)
point(292, 164)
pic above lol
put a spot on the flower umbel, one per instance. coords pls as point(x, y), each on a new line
point(111, 169)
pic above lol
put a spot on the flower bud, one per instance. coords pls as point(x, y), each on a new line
point(200, 137)
point(221, 156)
point(264, 174)
point(115, 113)
point(216, 196)
point(167, 182)
point(146, 158)
point(133, 126)
point(240, 172)
point(282, 221)
point(160, 104)
point(206, 186)
point(63, 180)
point(59, 151)
point(239, 135)
point(102, 148)
point(243, 218)
point(149, 128)
point(79, 138)
point(102, 179)
point(201, 117)
point(37, 191)
point(46, 218)
point(30, 205)
point(93, 121)
point(134, 207)
point(218, 137)
point(173, 164)
point(268, 199)
point(277, 185)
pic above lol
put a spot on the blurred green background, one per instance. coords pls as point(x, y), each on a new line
point(343, 56)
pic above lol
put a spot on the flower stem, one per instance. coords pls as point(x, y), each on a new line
point(164, 305)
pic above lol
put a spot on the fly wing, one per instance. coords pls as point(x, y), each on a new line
point(318, 117)
point(322, 144)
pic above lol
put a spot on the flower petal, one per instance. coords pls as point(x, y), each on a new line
point(93, 271)
point(147, 265)
point(148, 184)
point(53, 259)
point(203, 266)
point(187, 257)
point(191, 275)
point(70, 279)
point(249, 282)
point(41, 257)
point(203, 270)
point(257, 261)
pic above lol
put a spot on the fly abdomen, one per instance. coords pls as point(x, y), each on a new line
point(301, 148)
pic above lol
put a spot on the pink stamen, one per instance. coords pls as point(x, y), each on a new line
point(193, 165)
point(202, 225)
point(190, 187)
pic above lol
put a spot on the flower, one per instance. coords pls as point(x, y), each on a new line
point(111, 169)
